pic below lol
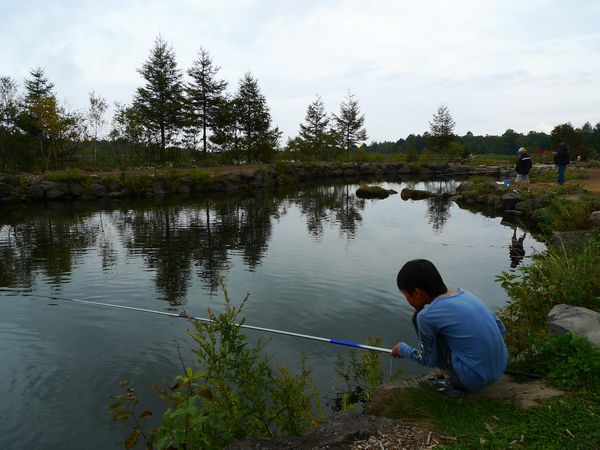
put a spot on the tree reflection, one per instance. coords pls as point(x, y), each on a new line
point(330, 204)
point(176, 242)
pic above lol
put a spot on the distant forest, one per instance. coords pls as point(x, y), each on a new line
point(584, 141)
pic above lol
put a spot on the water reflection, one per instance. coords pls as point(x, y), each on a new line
point(516, 250)
point(176, 242)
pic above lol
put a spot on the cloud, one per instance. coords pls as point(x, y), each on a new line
point(496, 64)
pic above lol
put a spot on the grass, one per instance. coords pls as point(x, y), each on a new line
point(551, 176)
point(567, 422)
point(69, 176)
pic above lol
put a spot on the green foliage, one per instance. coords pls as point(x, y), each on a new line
point(568, 361)
point(362, 375)
point(70, 176)
point(562, 213)
point(558, 277)
point(567, 422)
point(160, 102)
point(137, 182)
point(349, 123)
point(234, 392)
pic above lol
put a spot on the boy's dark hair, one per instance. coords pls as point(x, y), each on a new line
point(422, 274)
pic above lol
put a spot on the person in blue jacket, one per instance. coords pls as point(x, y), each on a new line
point(456, 331)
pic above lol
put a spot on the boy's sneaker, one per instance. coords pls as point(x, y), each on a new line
point(444, 385)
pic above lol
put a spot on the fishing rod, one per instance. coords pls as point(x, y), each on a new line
point(202, 319)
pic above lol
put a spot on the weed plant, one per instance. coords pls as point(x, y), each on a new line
point(558, 277)
point(234, 392)
point(69, 176)
point(362, 375)
point(563, 214)
point(568, 422)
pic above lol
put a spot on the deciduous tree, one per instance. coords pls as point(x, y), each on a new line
point(9, 112)
point(95, 117)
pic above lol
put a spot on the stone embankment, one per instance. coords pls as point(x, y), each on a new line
point(81, 186)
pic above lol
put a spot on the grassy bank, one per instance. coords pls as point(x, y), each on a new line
point(569, 362)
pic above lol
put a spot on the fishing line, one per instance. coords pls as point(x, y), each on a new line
point(202, 319)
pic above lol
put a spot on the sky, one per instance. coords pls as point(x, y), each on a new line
point(523, 65)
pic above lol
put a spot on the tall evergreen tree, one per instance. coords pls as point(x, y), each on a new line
point(441, 131)
point(37, 87)
point(204, 95)
point(160, 101)
point(313, 132)
point(258, 140)
point(349, 124)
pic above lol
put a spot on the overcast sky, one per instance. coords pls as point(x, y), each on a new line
point(525, 65)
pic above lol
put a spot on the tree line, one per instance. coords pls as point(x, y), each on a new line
point(189, 117)
point(440, 139)
point(171, 118)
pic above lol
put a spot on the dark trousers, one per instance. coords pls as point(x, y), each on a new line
point(561, 173)
point(444, 355)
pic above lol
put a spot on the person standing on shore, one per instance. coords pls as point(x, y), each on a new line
point(522, 168)
point(561, 159)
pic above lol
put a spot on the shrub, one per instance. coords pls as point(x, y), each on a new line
point(558, 277)
point(568, 361)
point(69, 176)
point(233, 393)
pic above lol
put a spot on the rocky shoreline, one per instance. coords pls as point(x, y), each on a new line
point(16, 189)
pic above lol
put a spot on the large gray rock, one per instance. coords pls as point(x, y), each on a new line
point(96, 190)
point(594, 218)
point(510, 200)
point(565, 319)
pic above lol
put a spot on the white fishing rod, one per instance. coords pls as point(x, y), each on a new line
point(202, 319)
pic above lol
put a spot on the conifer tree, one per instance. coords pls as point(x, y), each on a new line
point(349, 124)
point(441, 132)
point(258, 141)
point(204, 96)
point(160, 101)
point(313, 132)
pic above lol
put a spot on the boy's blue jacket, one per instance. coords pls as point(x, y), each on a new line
point(473, 333)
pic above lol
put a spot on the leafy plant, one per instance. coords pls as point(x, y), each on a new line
point(70, 176)
point(569, 361)
point(234, 392)
point(557, 277)
point(362, 375)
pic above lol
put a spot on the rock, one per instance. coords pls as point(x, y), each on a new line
point(510, 200)
point(566, 319)
point(76, 190)
point(158, 188)
point(56, 191)
point(96, 190)
point(416, 194)
point(525, 395)
point(525, 205)
point(374, 192)
point(571, 240)
point(594, 218)
point(34, 192)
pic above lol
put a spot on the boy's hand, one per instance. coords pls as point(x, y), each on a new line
point(396, 351)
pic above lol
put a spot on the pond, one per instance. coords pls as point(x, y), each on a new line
point(315, 260)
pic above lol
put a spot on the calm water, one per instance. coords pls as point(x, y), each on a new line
point(317, 261)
